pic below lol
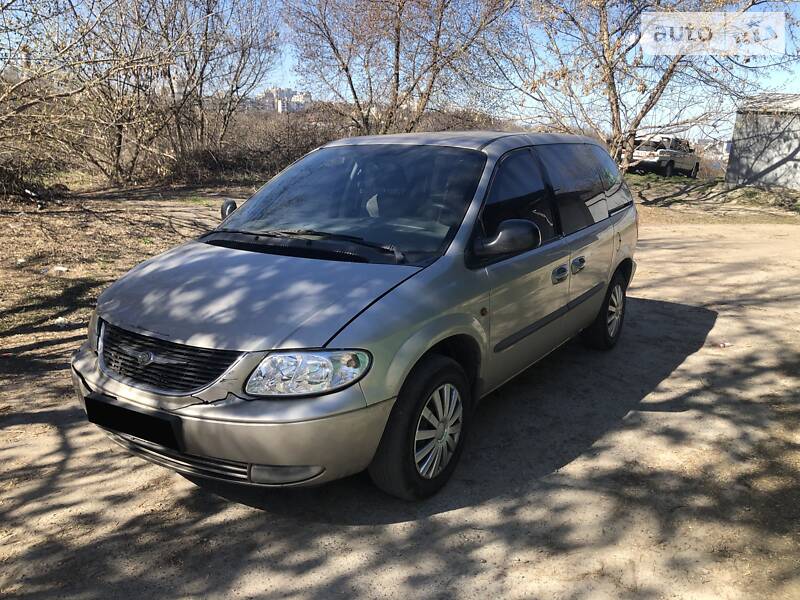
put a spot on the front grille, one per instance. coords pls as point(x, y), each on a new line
point(215, 468)
point(161, 364)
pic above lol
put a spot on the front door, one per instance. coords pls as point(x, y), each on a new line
point(529, 291)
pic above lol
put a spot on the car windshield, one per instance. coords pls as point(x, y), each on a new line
point(410, 199)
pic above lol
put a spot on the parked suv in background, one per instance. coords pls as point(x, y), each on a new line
point(351, 314)
point(665, 155)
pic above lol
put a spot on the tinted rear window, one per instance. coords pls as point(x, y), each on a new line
point(578, 190)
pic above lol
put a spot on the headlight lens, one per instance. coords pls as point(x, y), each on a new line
point(301, 373)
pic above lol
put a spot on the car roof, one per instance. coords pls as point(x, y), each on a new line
point(472, 140)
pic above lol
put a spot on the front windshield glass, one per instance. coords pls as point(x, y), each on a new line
point(412, 198)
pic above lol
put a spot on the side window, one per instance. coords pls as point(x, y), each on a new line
point(609, 173)
point(611, 177)
point(518, 192)
point(576, 183)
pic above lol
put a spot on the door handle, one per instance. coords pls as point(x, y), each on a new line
point(578, 264)
point(560, 274)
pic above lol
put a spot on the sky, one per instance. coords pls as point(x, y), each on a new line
point(786, 82)
point(284, 74)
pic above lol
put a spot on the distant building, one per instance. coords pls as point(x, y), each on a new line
point(766, 142)
point(283, 100)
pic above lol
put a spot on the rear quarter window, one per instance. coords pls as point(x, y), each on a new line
point(606, 167)
point(617, 194)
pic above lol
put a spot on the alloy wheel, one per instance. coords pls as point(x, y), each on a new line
point(438, 431)
point(616, 304)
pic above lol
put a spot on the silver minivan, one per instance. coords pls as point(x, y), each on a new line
point(351, 314)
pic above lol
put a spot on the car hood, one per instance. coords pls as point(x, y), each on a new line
point(224, 298)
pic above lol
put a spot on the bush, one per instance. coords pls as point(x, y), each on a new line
point(27, 179)
point(258, 144)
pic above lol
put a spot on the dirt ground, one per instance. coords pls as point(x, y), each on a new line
point(667, 468)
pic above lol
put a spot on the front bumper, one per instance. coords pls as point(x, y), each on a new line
point(258, 442)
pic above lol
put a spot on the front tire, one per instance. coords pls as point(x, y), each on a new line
point(424, 436)
point(695, 169)
point(606, 329)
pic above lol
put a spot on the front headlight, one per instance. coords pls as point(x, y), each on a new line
point(309, 372)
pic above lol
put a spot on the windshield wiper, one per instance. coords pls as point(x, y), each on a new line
point(253, 233)
point(398, 255)
point(329, 235)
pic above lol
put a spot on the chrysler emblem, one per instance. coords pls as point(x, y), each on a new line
point(148, 358)
point(144, 358)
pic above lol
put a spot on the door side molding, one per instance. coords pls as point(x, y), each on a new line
point(506, 343)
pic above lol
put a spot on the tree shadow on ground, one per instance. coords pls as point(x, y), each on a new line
point(541, 451)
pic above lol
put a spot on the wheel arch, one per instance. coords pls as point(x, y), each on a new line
point(465, 350)
point(465, 344)
point(625, 267)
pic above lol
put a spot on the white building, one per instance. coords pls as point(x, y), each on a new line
point(283, 100)
point(766, 142)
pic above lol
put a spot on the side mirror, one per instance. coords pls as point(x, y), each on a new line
point(513, 236)
point(228, 206)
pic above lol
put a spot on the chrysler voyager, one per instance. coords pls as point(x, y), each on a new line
point(353, 311)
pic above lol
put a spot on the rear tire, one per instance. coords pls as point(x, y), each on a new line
point(405, 465)
point(695, 169)
point(669, 168)
point(606, 329)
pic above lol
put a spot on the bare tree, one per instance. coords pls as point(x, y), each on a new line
point(224, 52)
point(41, 43)
point(384, 63)
point(577, 66)
point(119, 115)
point(111, 82)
